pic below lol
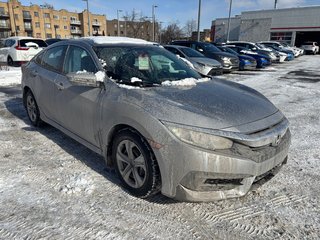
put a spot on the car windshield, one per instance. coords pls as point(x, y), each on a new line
point(143, 64)
point(228, 50)
point(191, 53)
point(29, 42)
point(260, 45)
point(210, 48)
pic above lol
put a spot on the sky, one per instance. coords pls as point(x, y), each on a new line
point(172, 11)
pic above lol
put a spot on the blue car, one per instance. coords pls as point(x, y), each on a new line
point(246, 62)
point(262, 60)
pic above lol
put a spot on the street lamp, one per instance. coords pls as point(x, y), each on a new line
point(199, 13)
point(229, 20)
point(153, 22)
point(14, 20)
point(89, 30)
point(118, 10)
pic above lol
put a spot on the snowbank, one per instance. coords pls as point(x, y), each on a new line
point(10, 76)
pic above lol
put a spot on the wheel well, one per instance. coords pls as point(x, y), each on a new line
point(111, 137)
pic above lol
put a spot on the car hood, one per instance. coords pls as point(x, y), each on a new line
point(206, 61)
point(220, 54)
point(216, 104)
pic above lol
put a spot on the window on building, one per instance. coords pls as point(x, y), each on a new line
point(64, 18)
point(2, 10)
point(27, 25)
point(46, 15)
point(47, 25)
point(48, 35)
point(115, 26)
point(73, 19)
point(26, 14)
point(37, 24)
point(36, 14)
point(3, 23)
point(29, 34)
point(121, 32)
point(65, 27)
point(121, 25)
point(281, 37)
point(56, 17)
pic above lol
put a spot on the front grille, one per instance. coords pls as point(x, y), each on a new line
point(258, 154)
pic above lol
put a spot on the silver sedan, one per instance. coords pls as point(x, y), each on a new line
point(156, 121)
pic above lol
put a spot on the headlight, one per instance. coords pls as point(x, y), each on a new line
point(226, 59)
point(200, 139)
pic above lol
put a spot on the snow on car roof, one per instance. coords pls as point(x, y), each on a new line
point(115, 40)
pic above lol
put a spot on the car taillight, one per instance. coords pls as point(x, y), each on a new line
point(21, 48)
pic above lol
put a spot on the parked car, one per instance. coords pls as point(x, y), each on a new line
point(18, 50)
point(254, 48)
point(202, 64)
point(299, 50)
point(310, 47)
point(262, 60)
point(246, 62)
point(162, 126)
point(280, 47)
point(228, 61)
point(285, 54)
point(50, 41)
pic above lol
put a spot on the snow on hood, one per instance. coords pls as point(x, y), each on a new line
point(135, 79)
point(248, 52)
point(185, 82)
point(116, 40)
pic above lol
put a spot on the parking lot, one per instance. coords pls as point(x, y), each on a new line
point(51, 187)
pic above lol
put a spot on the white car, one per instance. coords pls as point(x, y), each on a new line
point(310, 47)
point(18, 50)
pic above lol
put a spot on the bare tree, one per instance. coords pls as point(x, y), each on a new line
point(171, 32)
point(134, 23)
point(47, 6)
point(191, 26)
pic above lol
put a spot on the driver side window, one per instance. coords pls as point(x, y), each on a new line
point(78, 60)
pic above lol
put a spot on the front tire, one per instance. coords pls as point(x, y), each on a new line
point(32, 109)
point(135, 164)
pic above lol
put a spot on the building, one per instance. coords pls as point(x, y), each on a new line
point(204, 35)
point(291, 25)
point(135, 29)
point(45, 22)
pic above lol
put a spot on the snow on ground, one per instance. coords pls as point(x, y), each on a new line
point(51, 187)
point(10, 75)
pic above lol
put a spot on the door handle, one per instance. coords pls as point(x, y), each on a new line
point(34, 73)
point(60, 86)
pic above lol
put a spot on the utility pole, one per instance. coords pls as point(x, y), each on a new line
point(153, 22)
point(89, 30)
point(199, 13)
point(275, 4)
point(118, 25)
point(229, 21)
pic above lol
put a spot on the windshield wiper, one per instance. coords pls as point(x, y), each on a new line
point(140, 84)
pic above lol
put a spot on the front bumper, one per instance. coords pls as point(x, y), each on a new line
point(230, 174)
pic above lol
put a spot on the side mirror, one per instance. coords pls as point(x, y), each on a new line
point(83, 79)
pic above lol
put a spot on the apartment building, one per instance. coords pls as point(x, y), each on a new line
point(45, 22)
point(134, 29)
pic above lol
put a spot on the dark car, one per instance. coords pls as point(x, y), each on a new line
point(203, 65)
point(255, 48)
point(246, 62)
point(262, 60)
point(228, 61)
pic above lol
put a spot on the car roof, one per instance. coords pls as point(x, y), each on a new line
point(175, 46)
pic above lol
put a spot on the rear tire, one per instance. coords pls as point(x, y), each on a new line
point(135, 164)
point(32, 109)
point(10, 61)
